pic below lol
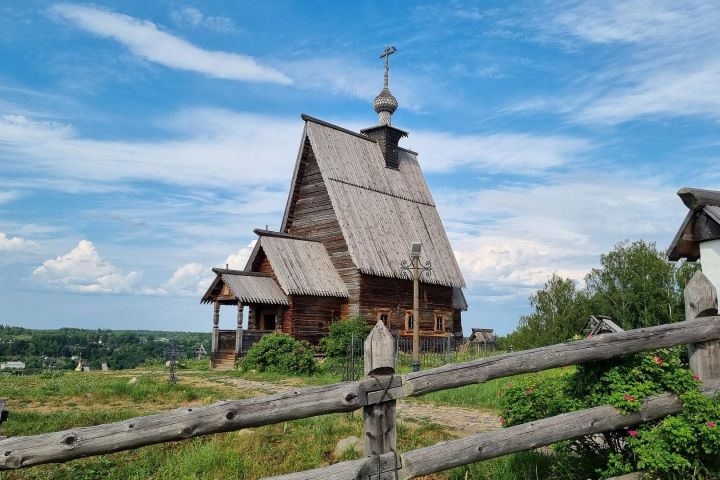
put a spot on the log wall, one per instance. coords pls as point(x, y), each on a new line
point(311, 215)
point(380, 293)
point(311, 316)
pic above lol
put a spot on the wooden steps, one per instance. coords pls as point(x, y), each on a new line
point(223, 360)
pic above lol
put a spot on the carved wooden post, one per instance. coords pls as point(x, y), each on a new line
point(239, 331)
point(701, 301)
point(216, 327)
point(380, 432)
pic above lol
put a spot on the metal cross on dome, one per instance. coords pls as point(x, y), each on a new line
point(386, 55)
point(172, 354)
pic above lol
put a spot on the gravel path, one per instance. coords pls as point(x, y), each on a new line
point(464, 421)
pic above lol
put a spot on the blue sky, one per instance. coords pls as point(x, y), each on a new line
point(141, 142)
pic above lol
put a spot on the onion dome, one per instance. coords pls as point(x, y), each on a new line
point(385, 105)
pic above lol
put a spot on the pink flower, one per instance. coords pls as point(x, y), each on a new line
point(658, 360)
point(632, 433)
point(696, 378)
point(711, 424)
point(630, 398)
point(502, 421)
point(529, 391)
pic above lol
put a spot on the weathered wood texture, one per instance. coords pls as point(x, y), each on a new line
point(18, 452)
point(396, 297)
point(487, 445)
point(701, 301)
point(379, 419)
point(310, 214)
point(309, 317)
point(696, 198)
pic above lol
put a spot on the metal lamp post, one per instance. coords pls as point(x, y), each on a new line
point(415, 269)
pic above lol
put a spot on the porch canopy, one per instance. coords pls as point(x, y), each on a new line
point(232, 287)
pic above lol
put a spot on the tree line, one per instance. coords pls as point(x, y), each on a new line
point(119, 349)
point(634, 284)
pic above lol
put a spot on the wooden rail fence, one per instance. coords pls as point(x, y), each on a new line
point(377, 396)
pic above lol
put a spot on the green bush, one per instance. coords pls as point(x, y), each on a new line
point(686, 445)
point(281, 354)
point(337, 344)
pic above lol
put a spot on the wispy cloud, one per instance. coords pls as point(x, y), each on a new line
point(521, 153)
point(83, 270)
point(144, 39)
point(188, 16)
point(668, 66)
point(217, 147)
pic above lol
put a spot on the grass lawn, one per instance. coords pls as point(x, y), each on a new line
point(46, 403)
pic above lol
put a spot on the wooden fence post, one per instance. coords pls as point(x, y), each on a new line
point(380, 432)
point(3, 413)
point(701, 301)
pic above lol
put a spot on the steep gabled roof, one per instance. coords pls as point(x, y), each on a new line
point(381, 211)
point(302, 266)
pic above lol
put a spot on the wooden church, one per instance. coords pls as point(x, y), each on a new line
point(356, 203)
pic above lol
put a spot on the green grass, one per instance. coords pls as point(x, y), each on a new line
point(484, 396)
point(47, 403)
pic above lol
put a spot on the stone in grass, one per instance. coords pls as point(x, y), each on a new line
point(132, 381)
point(347, 444)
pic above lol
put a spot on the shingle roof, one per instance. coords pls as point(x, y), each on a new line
point(302, 267)
point(247, 287)
point(458, 299)
point(381, 210)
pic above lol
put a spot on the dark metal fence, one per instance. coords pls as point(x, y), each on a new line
point(434, 352)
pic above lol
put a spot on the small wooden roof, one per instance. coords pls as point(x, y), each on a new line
point(246, 287)
point(458, 299)
point(701, 223)
point(302, 266)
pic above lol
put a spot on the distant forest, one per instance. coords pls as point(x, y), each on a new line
point(120, 349)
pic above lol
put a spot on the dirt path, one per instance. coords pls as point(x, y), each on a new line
point(462, 420)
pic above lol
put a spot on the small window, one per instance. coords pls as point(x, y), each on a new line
point(383, 315)
point(439, 323)
point(409, 320)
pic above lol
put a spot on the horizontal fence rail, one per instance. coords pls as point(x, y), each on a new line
point(487, 445)
point(16, 452)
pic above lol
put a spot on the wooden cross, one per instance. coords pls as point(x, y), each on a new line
point(386, 55)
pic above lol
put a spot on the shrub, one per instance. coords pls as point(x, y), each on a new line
point(337, 344)
point(686, 445)
point(282, 354)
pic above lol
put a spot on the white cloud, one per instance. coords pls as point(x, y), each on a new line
point(14, 244)
point(215, 147)
point(510, 240)
point(501, 152)
point(144, 39)
point(189, 280)
point(83, 270)
point(237, 261)
point(188, 16)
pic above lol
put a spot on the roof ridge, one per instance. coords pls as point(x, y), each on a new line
point(308, 118)
point(230, 271)
point(375, 190)
point(269, 233)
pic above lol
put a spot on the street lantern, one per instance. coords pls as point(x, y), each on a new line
point(415, 269)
